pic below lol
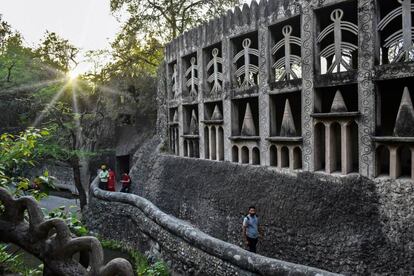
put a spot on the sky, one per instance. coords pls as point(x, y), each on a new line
point(88, 24)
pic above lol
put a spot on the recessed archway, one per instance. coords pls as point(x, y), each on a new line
point(383, 161)
point(245, 155)
point(297, 158)
point(284, 159)
point(206, 143)
point(319, 147)
point(255, 156)
point(235, 154)
point(273, 156)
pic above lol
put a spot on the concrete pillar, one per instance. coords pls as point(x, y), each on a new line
point(308, 65)
point(346, 148)
point(200, 75)
point(395, 168)
point(279, 157)
point(213, 142)
point(210, 143)
point(330, 152)
point(264, 105)
point(227, 61)
point(218, 143)
point(367, 55)
point(291, 158)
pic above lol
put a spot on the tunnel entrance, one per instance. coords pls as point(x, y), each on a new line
point(122, 164)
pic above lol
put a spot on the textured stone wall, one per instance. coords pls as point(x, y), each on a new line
point(187, 250)
point(349, 225)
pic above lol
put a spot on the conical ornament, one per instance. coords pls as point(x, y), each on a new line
point(404, 124)
point(338, 104)
point(216, 114)
point(193, 124)
point(248, 128)
point(288, 125)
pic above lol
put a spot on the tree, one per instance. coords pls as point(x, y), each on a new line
point(167, 19)
point(58, 52)
point(17, 154)
point(65, 119)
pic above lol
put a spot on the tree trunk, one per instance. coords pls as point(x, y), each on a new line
point(9, 71)
point(78, 182)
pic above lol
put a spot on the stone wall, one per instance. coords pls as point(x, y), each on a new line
point(349, 225)
point(188, 251)
point(333, 113)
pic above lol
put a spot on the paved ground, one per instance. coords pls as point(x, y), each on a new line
point(53, 202)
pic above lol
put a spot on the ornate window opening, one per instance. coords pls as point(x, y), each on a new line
point(191, 81)
point(245, 117)
point(396, 31)
point(286, 50)
point(285, 115)
point(191, 130)
point(214, 70)
point(246, 61)
point(338, 38)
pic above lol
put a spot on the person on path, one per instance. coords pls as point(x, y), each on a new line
point(111, 181)
point(126, 183)
point(103, 178)
point(251, 229)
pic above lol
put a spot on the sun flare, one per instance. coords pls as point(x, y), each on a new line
point(73, 75)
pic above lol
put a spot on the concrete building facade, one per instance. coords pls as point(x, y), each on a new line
point(313, 85)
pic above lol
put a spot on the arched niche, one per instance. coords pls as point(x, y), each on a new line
point(235, 154)
point(273, 155)
point(206, 143)
point(284, 159)
point(245, 155)
point(382, 161)
point(297, 158)
point(255, 156)
point(319, 147)
point(220, 144)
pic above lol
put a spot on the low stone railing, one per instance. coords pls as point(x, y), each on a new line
point(132, 219)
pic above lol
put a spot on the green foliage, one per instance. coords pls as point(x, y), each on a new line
point(167, 19)
point(70, 216)
point(140, 263)
point(157, 269)
point(17, 154)
point(13, 263)
point(58, 52)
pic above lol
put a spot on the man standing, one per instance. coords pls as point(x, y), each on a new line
point(126, 183)
point(251, 229)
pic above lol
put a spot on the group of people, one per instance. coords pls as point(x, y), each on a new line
point(107, 180)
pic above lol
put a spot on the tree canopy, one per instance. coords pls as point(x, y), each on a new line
point(166, 19)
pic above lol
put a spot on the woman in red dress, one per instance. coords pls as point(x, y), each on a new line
point(111, 181)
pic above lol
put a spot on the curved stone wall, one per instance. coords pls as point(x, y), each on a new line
point(139, 223)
